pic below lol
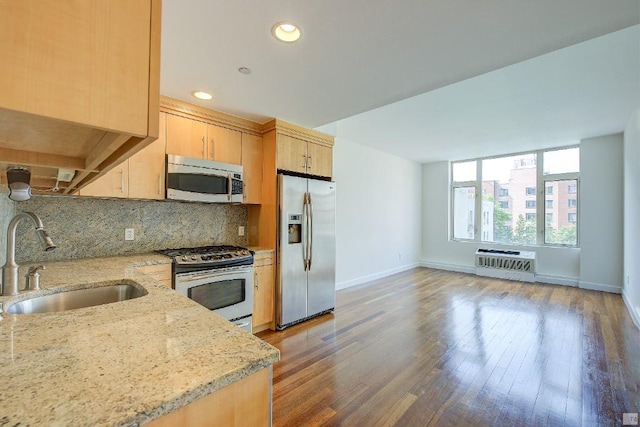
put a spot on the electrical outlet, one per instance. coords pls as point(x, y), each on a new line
point(129, 234)
point(241, 230)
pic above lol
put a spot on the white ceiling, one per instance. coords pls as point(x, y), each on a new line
point(454, 78)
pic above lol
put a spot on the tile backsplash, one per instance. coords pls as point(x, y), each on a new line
point(83, 227)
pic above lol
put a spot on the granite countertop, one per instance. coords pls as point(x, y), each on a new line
point(118, 364)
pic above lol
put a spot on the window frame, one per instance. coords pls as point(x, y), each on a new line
point(542, 181)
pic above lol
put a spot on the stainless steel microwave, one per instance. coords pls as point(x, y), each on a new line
point(199, 180)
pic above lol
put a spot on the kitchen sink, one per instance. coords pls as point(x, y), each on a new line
point(77, 298)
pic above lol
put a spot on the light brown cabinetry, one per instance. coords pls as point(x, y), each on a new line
point(252, 168)
point(66, 101)
point(186, 137)
point(160, 272)
point(198, 139)
point(198, 132)
point(264, 290)
point(139, 177)
point(246, 402)
point(298, 155)
point(225, 145)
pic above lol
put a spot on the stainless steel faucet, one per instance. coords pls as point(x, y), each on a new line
point(10, 268)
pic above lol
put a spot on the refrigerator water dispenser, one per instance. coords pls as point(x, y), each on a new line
point(295, 228)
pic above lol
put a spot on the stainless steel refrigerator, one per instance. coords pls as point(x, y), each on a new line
point(306, 249)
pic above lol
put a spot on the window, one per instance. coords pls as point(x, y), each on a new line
point(562, 231)
point(464, 213)
point(528, 217)
point(465, 171)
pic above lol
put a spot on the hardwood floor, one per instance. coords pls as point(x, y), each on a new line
point(429, 347)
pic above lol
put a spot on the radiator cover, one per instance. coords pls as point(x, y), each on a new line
point(506, 264)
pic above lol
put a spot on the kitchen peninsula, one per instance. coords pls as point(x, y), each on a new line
point(131, 362)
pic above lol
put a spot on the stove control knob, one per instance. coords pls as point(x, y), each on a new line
point(193, 257)
point(206, 257)
point(184, 258)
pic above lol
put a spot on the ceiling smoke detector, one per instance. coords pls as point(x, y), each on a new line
point(287, 32)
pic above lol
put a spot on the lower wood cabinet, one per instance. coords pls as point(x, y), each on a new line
point(264, 290)
point(160, 272)
point(244, 403)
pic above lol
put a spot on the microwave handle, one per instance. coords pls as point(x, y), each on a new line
point(230, 184)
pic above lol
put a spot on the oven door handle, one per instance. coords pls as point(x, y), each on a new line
point(205, 276)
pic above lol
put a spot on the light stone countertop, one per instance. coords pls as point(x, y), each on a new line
point(120, 364)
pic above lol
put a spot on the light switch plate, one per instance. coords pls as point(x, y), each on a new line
point(241, 230)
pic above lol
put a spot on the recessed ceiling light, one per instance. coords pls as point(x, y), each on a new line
point(244, 70)
point(202, 95)
point(287, 32)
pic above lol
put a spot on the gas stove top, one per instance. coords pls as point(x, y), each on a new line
point(210, 256)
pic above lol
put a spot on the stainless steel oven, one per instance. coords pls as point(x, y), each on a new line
point(218, 277)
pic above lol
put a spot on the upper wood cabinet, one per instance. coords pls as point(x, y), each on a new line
point(252, 160)
point(147, 169)
point(292, 154)
point(198, 139)
point(140, 177)
point(114, 183)
point(79, 85)
point(186, 137)
point(225, 145)
point(302, 150)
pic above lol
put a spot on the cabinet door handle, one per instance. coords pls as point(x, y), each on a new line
point(256, 278)
point(122, 181)
point(309, 165)
point(304, 164)
point(159, 183)
point(204, 148)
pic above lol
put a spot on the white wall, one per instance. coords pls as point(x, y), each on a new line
point(601, 201)
point(601, 213)
point(631, 288)
point(378, 213)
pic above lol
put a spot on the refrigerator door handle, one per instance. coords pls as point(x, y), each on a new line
point(310, 228)
point(304, 232)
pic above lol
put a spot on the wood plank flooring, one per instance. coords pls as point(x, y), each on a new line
point(435, 348)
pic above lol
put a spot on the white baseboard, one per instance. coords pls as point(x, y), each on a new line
point(557, 280)
point(599, 287)
point(448, 267)
point(379, 275)
point(635, 315)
